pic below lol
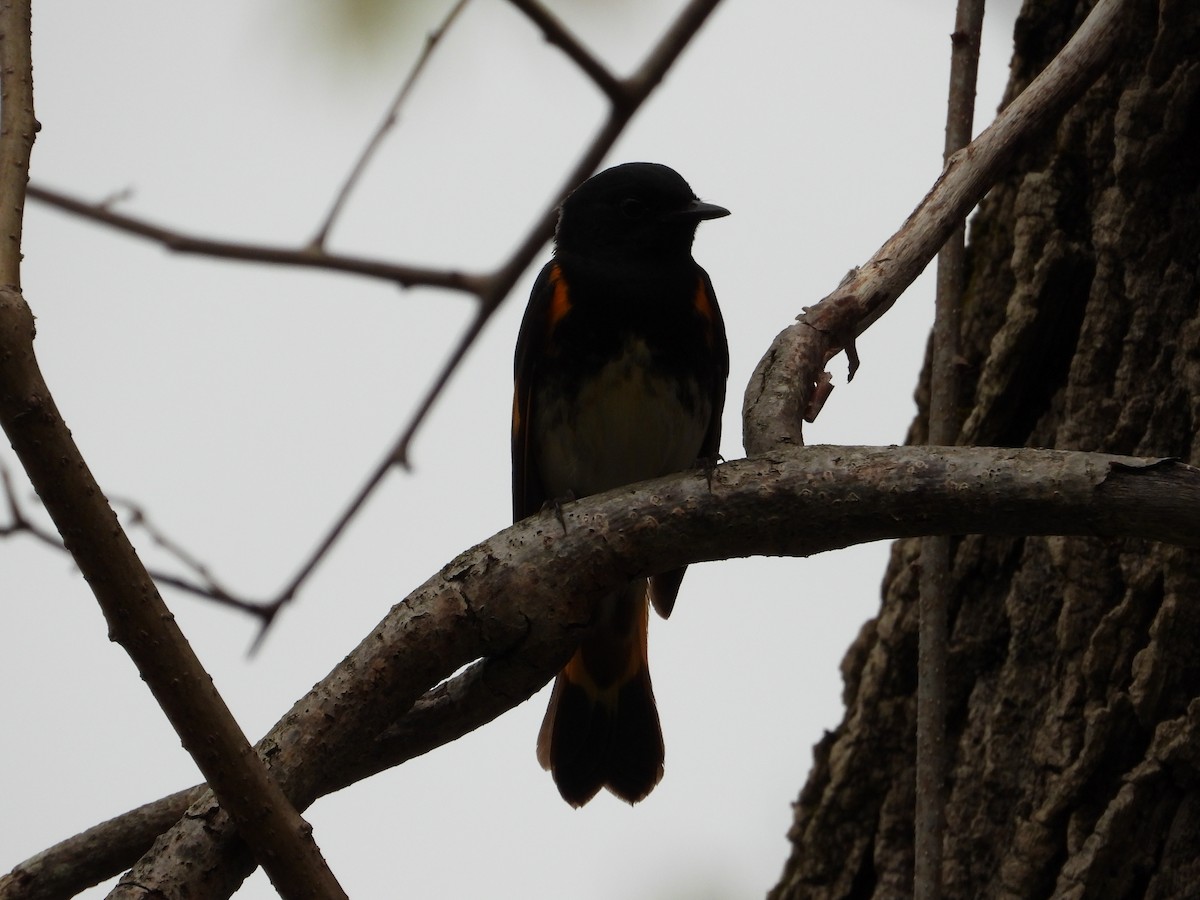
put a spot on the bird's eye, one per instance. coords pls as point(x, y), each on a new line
point(632, 208)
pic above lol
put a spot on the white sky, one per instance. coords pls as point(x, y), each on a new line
point(242, 405)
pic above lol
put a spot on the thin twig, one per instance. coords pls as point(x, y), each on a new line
point(138, 518)
point(389, 122)
point(209, 588)
point(930, 817)
point(307, 257)
point(556, 33)
point(22, 524)
point(399, 454)
point(19, 523)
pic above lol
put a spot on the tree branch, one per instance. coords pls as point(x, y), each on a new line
point(17, 130)
point(783, 388)
point(90, 857)
point(558, 35)
point(389, 122)
point(207, 587)
point(137, 618)
point(308, 257)
point(519, 600)
point(929, 820)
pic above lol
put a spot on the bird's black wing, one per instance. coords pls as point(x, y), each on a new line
point(548, 303)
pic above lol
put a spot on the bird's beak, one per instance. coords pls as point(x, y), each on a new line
point(698, 210)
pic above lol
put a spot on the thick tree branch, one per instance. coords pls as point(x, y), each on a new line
point(520, 599)
point(104, 850)
point(782, 390)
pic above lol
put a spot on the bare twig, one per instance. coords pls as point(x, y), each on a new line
point(309, 257)
point(209, 587)
point(137, 618)
point(556, 33)
point(929, 818)
point(21, 523)
point(14, 511)
point(389, 122)
point(518, 599)
point(138, 518)
point(781, 389)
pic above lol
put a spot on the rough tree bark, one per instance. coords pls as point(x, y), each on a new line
point(1074, 680)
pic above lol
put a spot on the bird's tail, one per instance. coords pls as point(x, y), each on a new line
point(601, 729)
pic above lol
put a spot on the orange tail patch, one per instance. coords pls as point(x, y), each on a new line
point(601, 729)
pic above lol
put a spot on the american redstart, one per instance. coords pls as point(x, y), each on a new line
point(620, 372)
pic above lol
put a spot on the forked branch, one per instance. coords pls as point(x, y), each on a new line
point(786, 387)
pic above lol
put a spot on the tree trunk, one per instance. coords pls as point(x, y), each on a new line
point(1074, 677)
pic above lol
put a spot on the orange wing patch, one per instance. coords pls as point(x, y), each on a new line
point(702, 303)
point(560, 299)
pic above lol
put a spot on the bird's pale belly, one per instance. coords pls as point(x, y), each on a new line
point(629, 423)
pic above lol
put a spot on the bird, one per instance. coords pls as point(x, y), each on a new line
point(619, 377)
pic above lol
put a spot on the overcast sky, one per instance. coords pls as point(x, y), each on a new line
point(243, 405)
